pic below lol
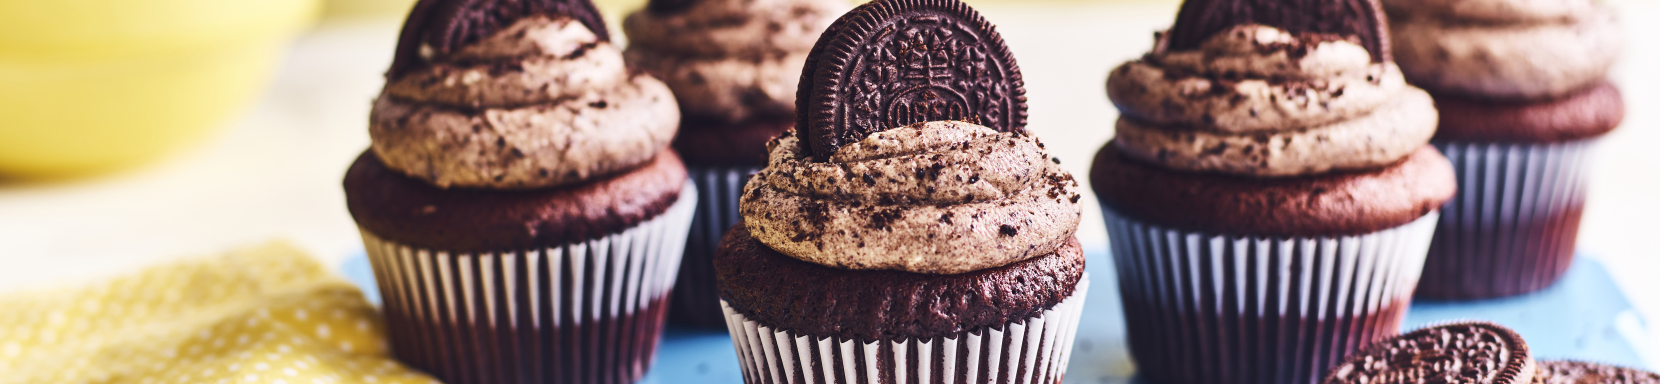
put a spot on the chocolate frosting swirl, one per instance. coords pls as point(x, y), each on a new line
point(542, 103)
point(1519, 50)
point(1257, 101)
point(730, 60)
point(943, 197)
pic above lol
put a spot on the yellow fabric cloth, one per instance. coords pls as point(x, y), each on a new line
point(267, 314)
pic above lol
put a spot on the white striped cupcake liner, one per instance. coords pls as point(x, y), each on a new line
point(1512, 227)
point(1218, 309)
point(588, 312)
point(1026, 351)
point(696, 300)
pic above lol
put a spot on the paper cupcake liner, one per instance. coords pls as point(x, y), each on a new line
point(1512, 227)
point(696, 301)
point(589, 312)
point(1027, 351)
point(1218, 309)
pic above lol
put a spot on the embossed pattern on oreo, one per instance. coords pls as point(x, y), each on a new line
point(1579, 372)
point(891, 63)
point(446, 25)
point(1470, 352)
point(1362, 19)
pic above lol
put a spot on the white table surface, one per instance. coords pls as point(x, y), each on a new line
point(274, 172)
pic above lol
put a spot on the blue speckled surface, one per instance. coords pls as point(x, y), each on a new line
point(1584, 316)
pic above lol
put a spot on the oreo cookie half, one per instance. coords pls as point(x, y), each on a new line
point(1471, 352)
point(890, 63)
point(447, 25)
point(1364, 19)
point(1579, 372)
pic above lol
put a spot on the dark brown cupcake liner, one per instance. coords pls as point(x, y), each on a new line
point(1512, 227)
point(589, 312)
point(1026, 351)
point(1218, 309)
point(696, 300)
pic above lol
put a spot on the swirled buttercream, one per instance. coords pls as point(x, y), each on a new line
point(1496, 11)
point(731, 60)
point(1257, 101)
point(940, 197)
point(1505, 49)
point(539, 104)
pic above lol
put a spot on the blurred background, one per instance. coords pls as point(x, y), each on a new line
point(138, 131)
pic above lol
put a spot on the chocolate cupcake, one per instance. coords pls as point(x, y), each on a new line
point(1523, 95)
point(520, 206)
point(733, 66)
point(1471, 352)
point(1270, 193)
point(909, 230)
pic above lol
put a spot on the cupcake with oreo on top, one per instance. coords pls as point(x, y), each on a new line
point(520, 206)
point(908, 230)
point(1270, 193)
point(733, 66)
point(1523, 92)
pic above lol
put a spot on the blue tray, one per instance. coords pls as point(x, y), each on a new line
point(1584, 317)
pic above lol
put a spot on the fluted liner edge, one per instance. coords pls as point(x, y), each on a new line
point(1026, 351)
point(588, 312)
point(1218, 309)
point(696, 300)
point(1512, 227)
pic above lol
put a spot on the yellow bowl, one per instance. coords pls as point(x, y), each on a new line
point(93, 85)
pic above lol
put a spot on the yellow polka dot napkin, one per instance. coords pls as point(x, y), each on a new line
point(267, 314)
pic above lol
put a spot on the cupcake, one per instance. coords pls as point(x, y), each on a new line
point(908, 230)
point(520, 206)
point(1523, 92)
point(1270, 193)
point(733, 66)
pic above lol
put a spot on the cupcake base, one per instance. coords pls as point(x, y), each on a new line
point(696, 300)
point(1214, 309)
point(1512, 227)
point(588, 312)
point(1026, 351)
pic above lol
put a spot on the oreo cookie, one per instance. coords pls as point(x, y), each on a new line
point(1364, 19)
point(448, 25)
point(890, 63)
point(1469, 352)
point(1579, 372)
